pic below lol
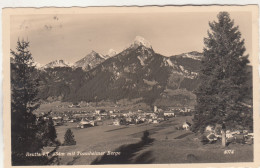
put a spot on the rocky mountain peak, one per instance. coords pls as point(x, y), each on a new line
point(141, 41)
point(90, 61)
point(111, 53)
point(57, 63)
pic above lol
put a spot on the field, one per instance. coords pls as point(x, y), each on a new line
point(167, 145)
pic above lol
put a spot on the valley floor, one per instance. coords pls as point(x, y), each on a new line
point(168, 145)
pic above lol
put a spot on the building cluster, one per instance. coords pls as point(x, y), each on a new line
point(235, 135)
point(118, 117)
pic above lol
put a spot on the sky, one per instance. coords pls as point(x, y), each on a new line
point(72, 36)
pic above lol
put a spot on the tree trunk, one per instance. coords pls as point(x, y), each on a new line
point(223, 137)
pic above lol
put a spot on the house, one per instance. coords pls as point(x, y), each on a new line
point(143, 119)
point(212, 137)
point(66, 119)
point(186, 125)
point(111, 112)
point(187, 110)
point(155, 117)
point(93, 123)
point(98, 118)
point(209, 128)
point(229, 135)
point(160, 119)
point(128, 119)
point(97, 111)
point(235, 132)
point(57, 121)
point(159, 110)
point(77, 105)
point(72, 120)
point(155, 121)
point(137, 121)
point(245, 131)
point(116, 122)
point(83, 125)
point(103, 114)
point(55, 118)
point(150, 120)
point(168, 114)
point(86, 123)
point(113, 115)
point(155, 109)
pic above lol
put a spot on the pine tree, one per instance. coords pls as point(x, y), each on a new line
point(69, 138)
point(51, 131)
point(224, 92)
point(24, 89)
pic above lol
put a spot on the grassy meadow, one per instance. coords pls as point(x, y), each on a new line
point(169, 145)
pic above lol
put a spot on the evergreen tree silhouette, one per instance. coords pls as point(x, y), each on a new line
point(69, 138)
point(224, 90)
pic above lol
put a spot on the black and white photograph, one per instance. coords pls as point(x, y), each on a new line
point(131, 85)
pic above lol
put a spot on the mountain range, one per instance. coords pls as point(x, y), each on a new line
point(136, 72)
point(90, 61)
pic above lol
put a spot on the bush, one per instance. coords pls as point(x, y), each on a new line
point(249, 141)
point(212, 136)
point(58, 143)
point(239, 139)
point(204, 140)
point(69, 138)
point(145, 135)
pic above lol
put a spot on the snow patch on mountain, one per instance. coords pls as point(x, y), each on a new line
point(168, 62)
point(195, 57)
point(111, 53)
point(57, 63)
point(103, 56)
point(141, 60)
point(37, 65)
point(188, 74)
point(139, 41)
